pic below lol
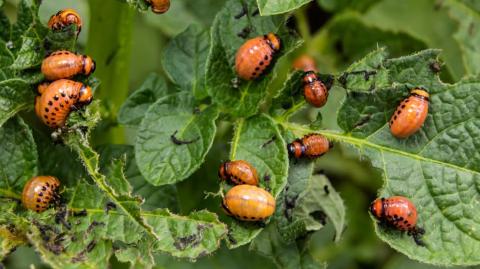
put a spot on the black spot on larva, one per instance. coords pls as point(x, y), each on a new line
point(56, 98)
point(252, 218)
point(399, 111)
point(405, 221)
point(266, 58)
point(61, 105)
point(45, 116)
point(254, 74)
point(245, 217)
point(40, 194)
point(46, 109)
point(395, 117)
point(56, 109)
point(52, 118)
point(395, 216)
point(50, 103)
point(39, 200)
point(403, 106)
point(261, 63)
point(63, 94)
point(53, 114)
point(66, 102)
point(37, 206)
point(48, 122)
point(257, 68)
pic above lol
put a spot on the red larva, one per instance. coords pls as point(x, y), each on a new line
point(410, 114)
point(306, 63)
point(255, 55)
point(57, 99)
point(399, 213)
point(39, 192)
point(65, 64)
point(238, 172)
point(64, 18)
point(310, 146)
point(315, 92)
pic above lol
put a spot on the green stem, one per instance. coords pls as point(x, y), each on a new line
point(110, 43)
point(10, 194)
point(302, 23)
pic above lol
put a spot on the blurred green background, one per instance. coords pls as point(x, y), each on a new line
point(336, 33)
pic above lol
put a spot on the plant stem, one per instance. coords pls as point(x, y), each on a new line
point(110, 43)
point(302, 24)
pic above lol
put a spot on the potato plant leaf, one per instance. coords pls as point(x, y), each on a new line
point(174, 138)
point(437, 168)
point(468, 33)
point(272, 7)
point(18, 161)
point(190, 236)
point(185, 57)
point(134, 108)
point(233, 25)
point(285, 255)
point(258, 141)
point(307, 204)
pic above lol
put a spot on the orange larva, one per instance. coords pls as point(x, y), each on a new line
point(64, 18)
point(65, 64)
point(39, 192)
point(410, 114)
point(315, 92)
point(248, 203)
point(311, 146)
point(238, 172)
point(57, 100)
point(255, 55)
point(399, 213)
point(159, 6)
point(306, 63)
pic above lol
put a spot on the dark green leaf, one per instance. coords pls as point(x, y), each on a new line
point(18, 161)
point(15, 95)
point(243, 99)
point(31, 53)
point(5, 27)
point(468, 34)
point(338, 5)
point(285, 255)
point(258, 141)
point(154, 197)
point(272, 7)
point(173, 139)
point(185, 57)
point(134, 108)
point(437, 168)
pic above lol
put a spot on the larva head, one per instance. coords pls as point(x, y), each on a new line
point(275, 42)
point(88, 65)
point(309, 77)
point(376, 208)
point(85, 96)
point(420, 92)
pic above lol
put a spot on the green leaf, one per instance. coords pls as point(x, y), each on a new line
point(160, 159)
point(5, 26)
point(414, 18)
point(15, 95)
point(272, 7)
point(18, 161)
point(184, 59)
point(348, 37)
point(468, 34)
point(27, 21)
point(191, 236)
point(154, 197)
point(134, 108)
point(436, 168)
point(285, 255)
point(258, 141)
point(31, 53)
point(338, 5)
point(244, 100)
point(307, 203)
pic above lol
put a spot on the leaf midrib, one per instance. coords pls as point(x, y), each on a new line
point(362, 142)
